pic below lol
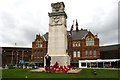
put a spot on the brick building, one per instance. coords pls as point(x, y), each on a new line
point(13, 55)
point(82, 45)
point(39, 49)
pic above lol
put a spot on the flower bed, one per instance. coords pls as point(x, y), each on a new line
point(59, 69)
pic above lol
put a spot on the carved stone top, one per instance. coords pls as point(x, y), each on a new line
point(58, 7)
point(58, 15)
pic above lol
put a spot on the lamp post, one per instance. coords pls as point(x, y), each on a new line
point(4, 54)
point(0, 57)
point(22, 58)
point(17, 58)
point(12, 58)
point(23, 55)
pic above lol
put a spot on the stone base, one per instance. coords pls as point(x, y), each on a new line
point(61, 60)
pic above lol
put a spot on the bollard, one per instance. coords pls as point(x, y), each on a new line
point(26, 77)
point(94, 72)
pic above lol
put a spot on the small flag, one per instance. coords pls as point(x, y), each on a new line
point(76, 26)
point(72, 28)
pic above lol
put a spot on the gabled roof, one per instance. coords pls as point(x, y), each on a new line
point(75, 35)
point(46, 36)
point(78, 35)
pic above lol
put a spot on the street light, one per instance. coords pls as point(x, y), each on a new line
point(23, 62)
point(12, 58)
point(23, 55)
point(17, 58)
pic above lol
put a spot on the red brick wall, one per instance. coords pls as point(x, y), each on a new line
point(41, 49)
point(83, 47)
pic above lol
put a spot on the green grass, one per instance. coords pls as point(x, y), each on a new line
point(85, 73)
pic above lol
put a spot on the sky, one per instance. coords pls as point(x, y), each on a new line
point(21, 20)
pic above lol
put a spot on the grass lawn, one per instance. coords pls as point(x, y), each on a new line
point(85, 73)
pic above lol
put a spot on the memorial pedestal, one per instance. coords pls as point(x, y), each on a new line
point(61, 60)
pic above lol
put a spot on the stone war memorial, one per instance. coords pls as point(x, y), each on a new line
point(57, 39)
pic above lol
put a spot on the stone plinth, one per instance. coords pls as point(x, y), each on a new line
point(62, 60)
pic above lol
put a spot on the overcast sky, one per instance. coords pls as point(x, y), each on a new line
point(21, 20)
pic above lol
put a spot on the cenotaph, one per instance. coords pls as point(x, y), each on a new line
point(57, 37)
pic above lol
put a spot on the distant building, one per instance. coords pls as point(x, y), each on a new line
point(110, 52)
point(13, 55)
point(82, 45)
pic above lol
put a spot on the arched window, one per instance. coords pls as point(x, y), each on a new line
point(38, 44)
point(73, 44)
point(76, 44)
point(89, 41)
point(79, 44)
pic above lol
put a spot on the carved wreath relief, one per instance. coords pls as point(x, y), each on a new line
point(56, 20)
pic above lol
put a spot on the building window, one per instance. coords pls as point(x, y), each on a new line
point(86, 53)
point(74, 54)
point(92, 42)
point(89, 41)
point(73, 45)
point(39, 44)
point(35, 54)
point(39, 54)
point(90, 54)
point(94, 53)
point(76, 43)
point(78, 53)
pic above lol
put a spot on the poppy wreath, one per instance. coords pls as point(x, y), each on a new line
point(60, 69)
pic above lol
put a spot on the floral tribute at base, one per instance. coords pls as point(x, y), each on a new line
point(60, 69)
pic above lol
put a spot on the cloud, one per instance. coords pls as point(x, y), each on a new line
point(21, 20)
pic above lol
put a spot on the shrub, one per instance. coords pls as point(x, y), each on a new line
point(11, 66)
point(31, 64)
